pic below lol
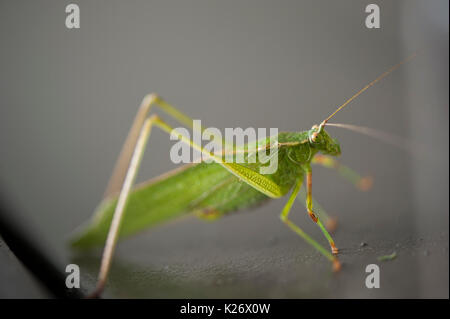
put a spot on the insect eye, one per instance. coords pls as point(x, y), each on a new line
point(313, 137)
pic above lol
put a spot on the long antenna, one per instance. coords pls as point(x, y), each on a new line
point(388, 138)
point(366, 87)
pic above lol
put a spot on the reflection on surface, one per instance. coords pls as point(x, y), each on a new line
point(279, 271)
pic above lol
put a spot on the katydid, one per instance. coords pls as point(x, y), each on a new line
point(215, 188)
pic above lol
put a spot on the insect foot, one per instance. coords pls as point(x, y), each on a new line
point(365, 183)
point(331, 224)
point(336, 265)
point(334, 249)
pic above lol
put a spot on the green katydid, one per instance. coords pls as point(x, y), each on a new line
point(212, 189)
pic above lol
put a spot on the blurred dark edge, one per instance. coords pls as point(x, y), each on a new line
point(20, 241)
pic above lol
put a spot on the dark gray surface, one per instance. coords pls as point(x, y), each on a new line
point(16, 281)
point(68, 98)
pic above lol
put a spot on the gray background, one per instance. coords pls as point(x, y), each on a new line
point(68, 98)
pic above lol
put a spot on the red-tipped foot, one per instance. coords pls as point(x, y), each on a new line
point(336, 265)
point(365, 183)
point(331, 224)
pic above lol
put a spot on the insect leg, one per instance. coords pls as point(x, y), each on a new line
point(258, 181)
point(314, 217)
point(330, 222)
point(113, 232)
point(123, 161)
point(362, 183)
point(284, 218)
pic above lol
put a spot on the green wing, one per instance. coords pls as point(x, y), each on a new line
point(228, 196)
point(148, 205)
point(206, 189)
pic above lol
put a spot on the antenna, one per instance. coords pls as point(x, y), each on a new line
point(388, 138)
point(369, 85)
point(324, 122)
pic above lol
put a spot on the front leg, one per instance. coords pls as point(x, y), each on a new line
point(284, 218)
point(329, 221)
point(309, 207)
